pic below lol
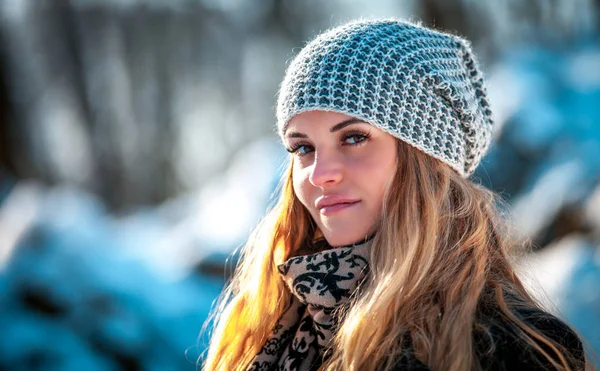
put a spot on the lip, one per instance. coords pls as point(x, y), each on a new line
point(328, 205)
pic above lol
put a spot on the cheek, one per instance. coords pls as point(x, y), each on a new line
point(380, 174)
point(300, 183)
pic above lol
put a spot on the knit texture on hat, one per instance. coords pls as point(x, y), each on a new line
point(420, 85)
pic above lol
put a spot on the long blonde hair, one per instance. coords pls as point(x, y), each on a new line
point(439, 244)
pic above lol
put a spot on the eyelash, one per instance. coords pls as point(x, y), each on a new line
point(355, 133)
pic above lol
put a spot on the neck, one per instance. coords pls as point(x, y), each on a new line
point(356, 243)
point(320, 244)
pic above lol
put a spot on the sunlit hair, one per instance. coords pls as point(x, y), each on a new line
point(441, 251)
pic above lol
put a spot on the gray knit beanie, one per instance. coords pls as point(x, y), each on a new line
point(420, 85)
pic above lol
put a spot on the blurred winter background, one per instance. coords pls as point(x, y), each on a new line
point(137, 151)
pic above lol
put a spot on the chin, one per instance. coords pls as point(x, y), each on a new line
point(342, 230)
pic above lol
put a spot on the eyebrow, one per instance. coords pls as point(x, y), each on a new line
point(334, 128)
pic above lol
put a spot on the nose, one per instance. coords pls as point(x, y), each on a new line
point(327, 170)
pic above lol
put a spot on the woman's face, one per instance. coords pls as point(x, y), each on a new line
point(341, 168)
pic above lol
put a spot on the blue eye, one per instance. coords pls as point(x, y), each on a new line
point(354, 138)
point(300, 149)
point(303, 149)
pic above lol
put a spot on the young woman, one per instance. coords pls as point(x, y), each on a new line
point(380, 254)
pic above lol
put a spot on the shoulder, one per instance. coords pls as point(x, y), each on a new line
point(500, 346)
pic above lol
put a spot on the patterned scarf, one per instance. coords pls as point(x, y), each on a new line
point(320, 283)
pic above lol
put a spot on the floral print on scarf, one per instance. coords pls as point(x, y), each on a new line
point(320, 283)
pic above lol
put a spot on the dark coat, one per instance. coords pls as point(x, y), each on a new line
point(510, 352)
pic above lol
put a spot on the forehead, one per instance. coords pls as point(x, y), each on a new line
point(317, 116)
point(319, 120)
